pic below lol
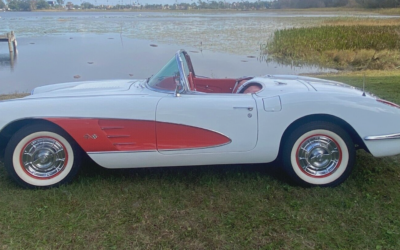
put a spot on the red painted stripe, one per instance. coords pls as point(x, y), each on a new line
point(101, 135)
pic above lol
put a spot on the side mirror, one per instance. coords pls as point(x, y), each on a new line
point(176, 92)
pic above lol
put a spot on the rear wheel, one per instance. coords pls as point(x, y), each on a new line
point(42, 156)
point(319, 154)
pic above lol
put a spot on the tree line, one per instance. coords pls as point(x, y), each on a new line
point(2, 4)
point(302, 4)
point(28, 5)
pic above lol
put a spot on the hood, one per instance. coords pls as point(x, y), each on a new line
point(107, 87)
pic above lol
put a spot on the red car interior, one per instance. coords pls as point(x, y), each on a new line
point(209, 85)
point(167, 83)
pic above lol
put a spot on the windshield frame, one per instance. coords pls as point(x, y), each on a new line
point(183, 81)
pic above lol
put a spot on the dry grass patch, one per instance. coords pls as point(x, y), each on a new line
point(356, 47)
point(351, 21)
point(13, 96)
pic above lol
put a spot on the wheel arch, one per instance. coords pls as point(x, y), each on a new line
point(326, 118)
point(11, 128)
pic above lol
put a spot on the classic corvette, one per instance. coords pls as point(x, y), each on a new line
point(177, 118)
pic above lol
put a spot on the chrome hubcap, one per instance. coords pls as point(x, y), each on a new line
point(318, 156)
point(43, 157)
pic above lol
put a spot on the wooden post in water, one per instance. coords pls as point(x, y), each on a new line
point(10, 47)
point(12, 59)
point(12, 42)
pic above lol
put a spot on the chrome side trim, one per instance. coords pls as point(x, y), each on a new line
point(29, 98)
point(122, 152)
point(185, 149)
point(114, 127)
point(382, 137)
point(124, 143)
point(158, 151)
point(117, 136)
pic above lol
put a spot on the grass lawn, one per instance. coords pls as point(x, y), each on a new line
point(211, 207)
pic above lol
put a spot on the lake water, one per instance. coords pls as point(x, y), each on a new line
point(74, 46)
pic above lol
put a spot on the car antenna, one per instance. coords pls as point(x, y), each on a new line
point(364, 86)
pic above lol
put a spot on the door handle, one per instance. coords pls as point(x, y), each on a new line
point(248, 108)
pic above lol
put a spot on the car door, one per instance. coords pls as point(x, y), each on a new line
point(206, 123)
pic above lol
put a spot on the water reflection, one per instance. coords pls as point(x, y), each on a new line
point(8, 60)
point(288, 62)
point(82, 57)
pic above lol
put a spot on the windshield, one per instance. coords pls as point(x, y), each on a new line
point(167, 78)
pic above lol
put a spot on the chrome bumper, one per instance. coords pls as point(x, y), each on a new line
point(382, 137)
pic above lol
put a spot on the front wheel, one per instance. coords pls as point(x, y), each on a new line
point(42, 156)
point(318, 154)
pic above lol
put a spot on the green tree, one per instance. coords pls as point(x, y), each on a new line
point(13, 5)
point(25, 5)
point(379, 3)
point(282, 4)
point(42, 4)
point(2, 4)
point(86, 5)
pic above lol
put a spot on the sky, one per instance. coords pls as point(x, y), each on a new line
point(143, 2)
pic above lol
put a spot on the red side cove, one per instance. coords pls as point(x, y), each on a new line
point(175, 136)
point(96, 135)
point(100, 135)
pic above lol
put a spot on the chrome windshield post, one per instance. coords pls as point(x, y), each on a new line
point(182, 74)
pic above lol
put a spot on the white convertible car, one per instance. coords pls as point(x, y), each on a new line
point(176, 118)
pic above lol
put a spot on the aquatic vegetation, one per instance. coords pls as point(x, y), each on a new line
point(235, 33)
point(356, 46)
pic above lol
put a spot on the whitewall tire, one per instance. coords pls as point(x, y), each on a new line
point(318, 154)
point(42, 155)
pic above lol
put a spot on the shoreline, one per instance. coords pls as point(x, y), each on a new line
point(390, 11)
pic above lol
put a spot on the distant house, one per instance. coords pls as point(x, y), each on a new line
point(52, 3)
